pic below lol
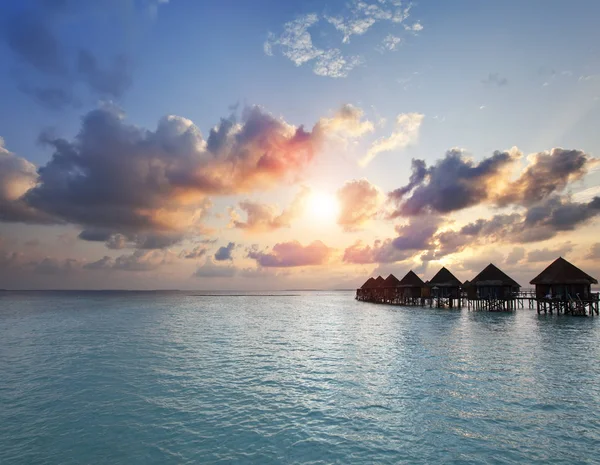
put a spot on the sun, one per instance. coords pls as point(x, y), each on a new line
point(322, 206)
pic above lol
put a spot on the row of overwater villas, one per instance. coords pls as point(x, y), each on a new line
point(561, 280)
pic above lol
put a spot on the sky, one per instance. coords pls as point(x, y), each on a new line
point(181, 144)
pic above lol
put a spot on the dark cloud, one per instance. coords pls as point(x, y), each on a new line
point(33, 35)
point(195, 253)
point(143, 260)
point(541, 222)
point(416, 235)
point(112, 81)
point(495, 79)
point(292, 254)
point(30, 36)
point(457, 182)
point(380, 252)
point(453, 183)
point(152, 187)
point(139, 260)
point(359, 201)
point(118, 241)
point(418, 173)
point(224, 253)
point(53, 98)
point(547, 173)
point(560, 214)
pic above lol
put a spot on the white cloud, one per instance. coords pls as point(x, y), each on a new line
point(589, 77)
point(416, 27)
point(296, 41)
point(391, 42)
point(406, 133)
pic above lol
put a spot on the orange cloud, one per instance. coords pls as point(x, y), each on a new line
point(292, 254)
point(359, 201)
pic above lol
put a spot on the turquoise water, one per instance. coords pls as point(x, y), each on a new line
point(136, 378)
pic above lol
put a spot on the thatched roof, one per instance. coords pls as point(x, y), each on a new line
point(391, 281)
point(493, 276)
point(444, 278)
point(411, 280)
point(561, 271)
point(368, 284)
point(379, 281)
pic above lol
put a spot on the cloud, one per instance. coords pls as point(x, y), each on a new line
point(122, 179)
point(414, 28)
point(52, 98)
point(457, 182)
point(143, 260)
point(139, 260)
point(541, 222)
point(405, 134)
point(391, 42)
point(594, 253)
point(105, 263)
point(417, 233)
point(363, 15)
point(547, 173)
point(211, 270)
point(495, 79)
point(546, 254)
point(380, 252)
point(414, 236)
point(112, 81)
point(10, 260)
point(33, 35)
point(515, 256)
point(195, 253)
point(132, 187)
point(224, 253)
point(262, 217)
point(359, 202)
point(296, 42)
point(117, 241)
point(17, 176)
point(453, 183)
point(52, 266)
point(30, 37)
point(347, 122)
point(292, 254)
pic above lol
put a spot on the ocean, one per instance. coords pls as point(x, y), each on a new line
point(303, 378)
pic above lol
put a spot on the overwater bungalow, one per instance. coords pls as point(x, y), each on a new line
point(492, 290)
point(411, 286)
point(492, 283)
point(562, 287)
point(390, 289)
point(378, 289)
point(445, 288)
point(364, 291)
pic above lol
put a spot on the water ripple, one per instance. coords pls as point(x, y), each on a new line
point(315, 378)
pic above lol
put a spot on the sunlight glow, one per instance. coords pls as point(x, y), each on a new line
point(322, 207)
